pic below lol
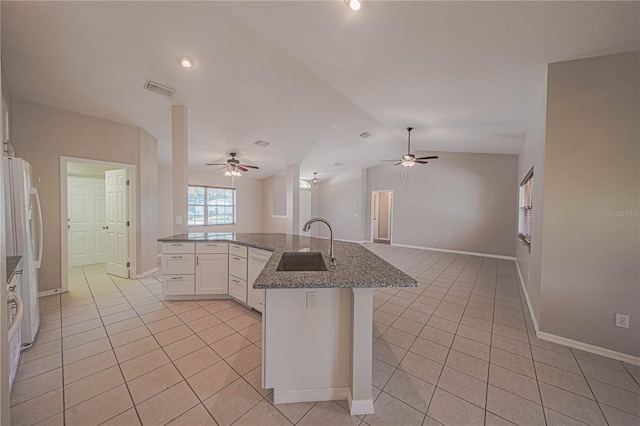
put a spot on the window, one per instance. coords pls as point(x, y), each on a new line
point(211, 206)
point(526, 208)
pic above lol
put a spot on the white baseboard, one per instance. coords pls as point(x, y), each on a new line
point(310, 395)
point(340, 239)
point(50, 292)
point(360, 406)
point(144, 274)
point(630, 359)
point(470, 253)
point(526, 296)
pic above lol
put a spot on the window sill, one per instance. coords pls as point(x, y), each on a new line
point(524, 242)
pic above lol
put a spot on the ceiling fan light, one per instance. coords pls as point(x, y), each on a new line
point(408, 163)
point(228, 173)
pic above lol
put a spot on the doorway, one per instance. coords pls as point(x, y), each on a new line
point(97, 211)
point(381, 216)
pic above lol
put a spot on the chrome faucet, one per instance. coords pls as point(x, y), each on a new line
point(306, 227)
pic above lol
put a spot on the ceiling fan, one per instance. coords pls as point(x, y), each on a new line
point(409, 159)
point(233, 166)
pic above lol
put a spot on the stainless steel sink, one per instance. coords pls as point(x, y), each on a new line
point(301, 261)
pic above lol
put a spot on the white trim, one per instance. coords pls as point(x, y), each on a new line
point(570, 342)
point(390, 215)
point(144, 274)
point(311, 395)
point(470, 253)
point(50, 292)
point(133, 210)
point(589, 348)
point(526, 296)
point(360, 406)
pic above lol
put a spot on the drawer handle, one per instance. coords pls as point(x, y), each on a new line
point(176, 257)
point(177, 278)
point(177, 244)
point(236, 258)
point(236, 281)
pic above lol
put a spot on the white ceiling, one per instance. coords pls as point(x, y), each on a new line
point(308, 77)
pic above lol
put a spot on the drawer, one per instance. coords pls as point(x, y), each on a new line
point(212, 248)
point(238, 267)
point(178, 247)
point(238, 250)
point(177, 285)
point(238, 289)
point(178, 264)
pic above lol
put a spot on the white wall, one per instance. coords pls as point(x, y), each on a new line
point(341, 202)
point(271, 222)
point(532, 155)
point(590, 258)
point(460, 201)
point(165, 202)
point(42, 134)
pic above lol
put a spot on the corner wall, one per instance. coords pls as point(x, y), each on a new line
point(591, 228)
point(532, 156)
point(42, 134)
point(461, 201)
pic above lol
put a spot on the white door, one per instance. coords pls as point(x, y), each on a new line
point(87, 221)
point(117, 222)
point(305, 209)
point(376, 214)
point(212, 274)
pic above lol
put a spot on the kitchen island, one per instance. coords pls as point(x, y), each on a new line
point(316, 325)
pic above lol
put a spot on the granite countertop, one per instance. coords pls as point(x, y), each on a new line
point(12, 264)
point(356, 266)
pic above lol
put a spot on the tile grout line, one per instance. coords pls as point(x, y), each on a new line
point(113, 350)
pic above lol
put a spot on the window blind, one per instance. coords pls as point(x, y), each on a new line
point(525, 218)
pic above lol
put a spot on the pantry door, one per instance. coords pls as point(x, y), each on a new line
point(117, 189)
point(87, 220)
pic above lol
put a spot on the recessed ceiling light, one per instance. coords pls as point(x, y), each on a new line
point(262, 143)
point(354, 5)
point(186, 61)
point(365, 135)
point(338, 164)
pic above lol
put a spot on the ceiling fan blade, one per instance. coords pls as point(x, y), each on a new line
point(248, 166)
point(242, 168)
point(433, 157)
point(387, 161)
point(216, 164)
point(422, 162)
point(397, 164)
point(222, 168)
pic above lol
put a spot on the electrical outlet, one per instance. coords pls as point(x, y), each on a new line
point(311, 300)
point(622, 321)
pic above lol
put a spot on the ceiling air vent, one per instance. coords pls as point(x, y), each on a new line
point(159, 88)
point(365, 135)
point(263, 144)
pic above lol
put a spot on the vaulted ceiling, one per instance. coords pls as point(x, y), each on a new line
point(308, 77)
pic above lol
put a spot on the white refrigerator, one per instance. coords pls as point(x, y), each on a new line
point(23, 221)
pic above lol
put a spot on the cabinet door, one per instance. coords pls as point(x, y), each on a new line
point(212, 274)
point(238, 267)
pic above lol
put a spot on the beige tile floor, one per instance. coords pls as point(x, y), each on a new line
point(458, 349)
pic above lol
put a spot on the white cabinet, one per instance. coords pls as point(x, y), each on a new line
point(257, 261)
point(238, 272)
point(177, 285)
point(178, 264)
point(178, 248)
point(238, 267)
point(212, 273)
point(212, 248)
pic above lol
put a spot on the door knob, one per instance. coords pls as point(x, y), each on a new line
point(105, 227)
